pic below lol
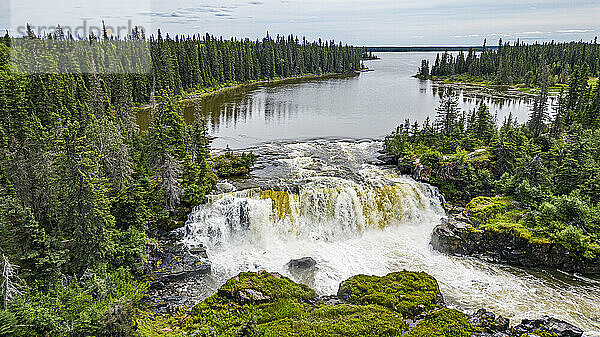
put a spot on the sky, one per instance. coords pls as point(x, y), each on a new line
point(358, 22)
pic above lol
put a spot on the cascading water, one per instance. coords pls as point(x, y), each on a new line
point(353, 218)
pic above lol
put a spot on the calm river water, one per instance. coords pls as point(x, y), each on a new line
point(363, 107)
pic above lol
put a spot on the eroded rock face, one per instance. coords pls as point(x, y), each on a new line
point(173, 272)
point(459, 238)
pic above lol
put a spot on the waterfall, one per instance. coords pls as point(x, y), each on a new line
point(323, 200)
point(326, 209)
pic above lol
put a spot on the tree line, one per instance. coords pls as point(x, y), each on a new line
point(83, 190)
point(517, 63)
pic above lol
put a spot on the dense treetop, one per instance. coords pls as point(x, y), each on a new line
point(518, 63)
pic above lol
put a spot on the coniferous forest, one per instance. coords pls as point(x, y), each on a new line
point(83, 190)
point(517, 63)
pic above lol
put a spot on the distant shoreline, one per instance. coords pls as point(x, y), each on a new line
point(426, 49)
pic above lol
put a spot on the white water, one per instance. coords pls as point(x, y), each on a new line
point(355, 218)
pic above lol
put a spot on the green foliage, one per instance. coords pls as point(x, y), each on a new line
point(443, 323)
point(518, 63)
point(99, 304)
point(7, 323)
point(230, 164)
point(82, 188)
point(408, 293)
point(548, 170)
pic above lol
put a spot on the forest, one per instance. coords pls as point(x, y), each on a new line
point(546, 170)
point(518, 63)
point(83, 190)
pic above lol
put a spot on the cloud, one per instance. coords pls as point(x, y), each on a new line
point(575, 31)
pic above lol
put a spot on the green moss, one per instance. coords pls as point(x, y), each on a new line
point(443, 323)
point(502, 214)
point(482, 209)
point(542, 332)
point(340, 320)
point(264, 286)
point(409, 293)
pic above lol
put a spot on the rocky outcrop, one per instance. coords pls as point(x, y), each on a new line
point(399, 304)
point(172, 271)
point(488, 324)
point(460, 238)
point(546, 323)
point(174, 262)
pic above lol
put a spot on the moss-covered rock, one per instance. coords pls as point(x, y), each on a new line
point(376, 307)
point(339, 320)
point(263, 287)
point(443, 323)
point(279, 307)
point(409, 293)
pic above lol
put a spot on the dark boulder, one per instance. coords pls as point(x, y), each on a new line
point(489, 323)
point(302, 263)
point(548, 324)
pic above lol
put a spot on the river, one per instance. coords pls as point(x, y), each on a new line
point(315, 192)
point(367, 106)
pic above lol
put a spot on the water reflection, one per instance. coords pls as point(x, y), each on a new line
point(367, 106)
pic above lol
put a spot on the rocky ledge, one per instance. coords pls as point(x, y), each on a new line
point(458, 237)
point(173, 271)
point(399, 304)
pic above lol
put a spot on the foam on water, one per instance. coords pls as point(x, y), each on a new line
point(354, 218)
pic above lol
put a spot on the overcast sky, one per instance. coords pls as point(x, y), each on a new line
point(360, 22)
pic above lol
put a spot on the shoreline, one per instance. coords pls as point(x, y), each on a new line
point(245, 85)
point(511, 90)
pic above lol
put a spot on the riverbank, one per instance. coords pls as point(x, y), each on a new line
point(475, 82)
point(227, 87)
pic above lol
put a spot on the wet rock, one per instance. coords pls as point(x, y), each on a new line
point(331, 300)
point(489, 323)
point(387, 159)
point(462, 239)
point(547, 324)
point(224, 187)
point(169, 262)
point(302, 263)
point(171, 268)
